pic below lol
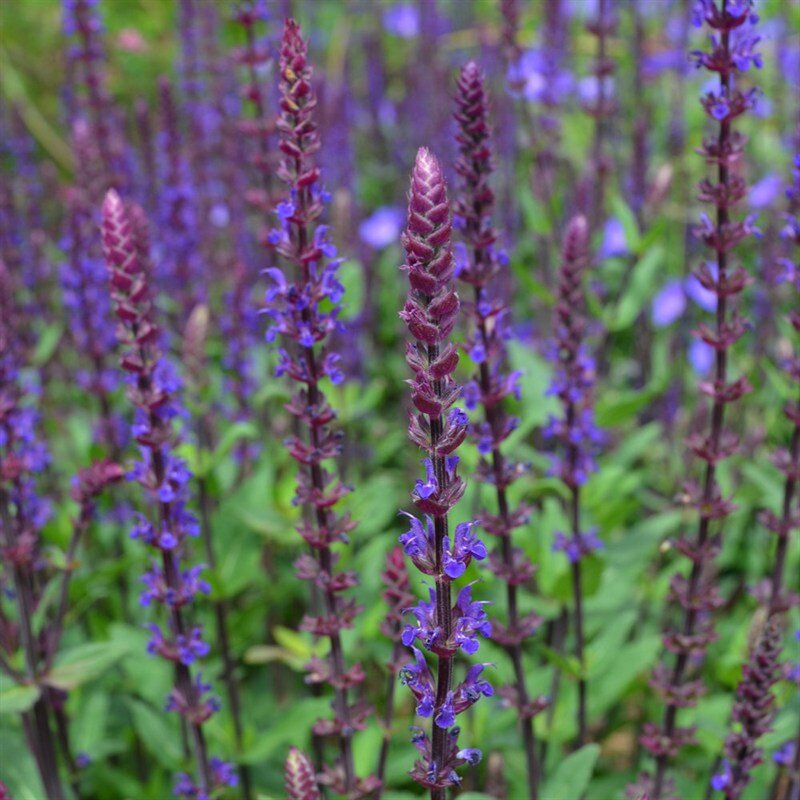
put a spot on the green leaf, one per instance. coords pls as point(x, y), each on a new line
point(567, 664)
point(633, 300)
point(270, 653)
point(572, 775)
point(630, 661)
point(17, 698)
point(234, 434)
point(624, 213)
point(47, 344)
point(84, 663)
point(299, 645)
point(156, 734)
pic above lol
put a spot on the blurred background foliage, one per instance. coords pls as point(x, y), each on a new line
point(117, 690)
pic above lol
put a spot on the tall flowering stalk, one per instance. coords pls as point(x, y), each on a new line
point(164, 477)
point(731, 53)
point(492, 385)
point(23, 512)
point(85, 292)
point(178, 229)
point(88, 93)
point(438, 427)
point(788, 460)
point(253, 57)
point(296, 305)
point(753, 710)
point(574, 430)
point(601, 105)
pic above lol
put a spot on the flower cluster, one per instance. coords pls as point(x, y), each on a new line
point(22, 209)
point(87, 95)
point(787, 460)
point(574, 431)
point(597, 96)
point(254, 58)
point(178, 229)
point(23, 513)
point(574, 372)
point(731, 52)
point(296, 306)
point(300, 779)
point(438, 427)
point(24, 455)
point(493, 383)
point(84, 285)
point(164, 477)
point(752, 712)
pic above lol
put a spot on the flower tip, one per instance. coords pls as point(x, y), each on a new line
point(111, 203)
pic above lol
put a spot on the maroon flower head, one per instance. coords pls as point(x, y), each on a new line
point(300, 779)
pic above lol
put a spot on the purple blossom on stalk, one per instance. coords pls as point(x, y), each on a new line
point(438, 427)
point(183, 268)
point(254, 57)
point(754, 708)
point(23, 456)
point(91, 101)
point(575, 430)
point(752, 712)
point(296, 306)
point(731, 52)
point(22, 206)
point(164, 478)
point(84, 284)
point(491, 386)
point(599, 103)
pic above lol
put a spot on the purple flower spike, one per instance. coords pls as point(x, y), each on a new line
point(302, 305)
point(574, 429)
point(716, 283)
point(163, 477)
point(439, 427)
point(481, 266)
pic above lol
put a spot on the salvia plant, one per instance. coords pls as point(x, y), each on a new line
point(492, 384)
point(234, 335)
point(438, 549)
point(164, 477)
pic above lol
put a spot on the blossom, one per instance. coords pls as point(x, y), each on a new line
point(669, 304)
point(402, 20)
point(382, 227)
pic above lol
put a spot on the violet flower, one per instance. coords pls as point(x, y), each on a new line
point(438, 427)
point(492, 384)
point(303, 306)
point(164, 478)
point(730, 53)
point(575, 430)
